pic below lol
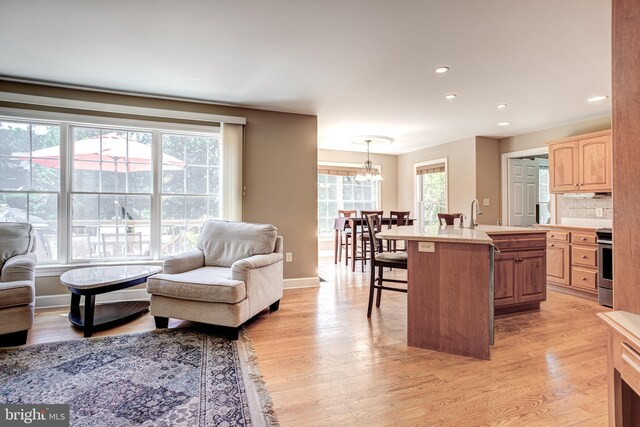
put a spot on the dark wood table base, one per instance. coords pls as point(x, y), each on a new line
point(103, 316)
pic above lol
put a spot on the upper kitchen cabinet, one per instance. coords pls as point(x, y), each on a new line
point(581, 163)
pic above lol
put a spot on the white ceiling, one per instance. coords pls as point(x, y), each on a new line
point(361, 66)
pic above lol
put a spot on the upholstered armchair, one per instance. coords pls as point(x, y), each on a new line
point(17, 281)
point(234, 274)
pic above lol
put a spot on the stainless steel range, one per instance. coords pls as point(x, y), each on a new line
point(605, 266)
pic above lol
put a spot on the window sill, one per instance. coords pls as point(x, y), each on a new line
point(56, 270)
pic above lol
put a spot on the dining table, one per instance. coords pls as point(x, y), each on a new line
point(353, 224)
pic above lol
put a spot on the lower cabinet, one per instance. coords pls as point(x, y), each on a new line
point(558, 263)
point(520, 271)
point(572, 260)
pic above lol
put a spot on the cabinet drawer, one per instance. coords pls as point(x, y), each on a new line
point(559, 236)
point(584, 278)
point(630, 366)
point(584, 238)
point(584, 255)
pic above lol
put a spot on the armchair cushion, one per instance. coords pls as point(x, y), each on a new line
point(16, 293)
point(17, 239)
point(210, 284)
point(225, 242)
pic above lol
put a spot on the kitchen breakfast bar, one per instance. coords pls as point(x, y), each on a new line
point(451, 293)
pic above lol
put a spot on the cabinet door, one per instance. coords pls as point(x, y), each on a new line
point(532, 277)
point(595, 163)
point(504, 279)
point(563, 167)
point(558, 263)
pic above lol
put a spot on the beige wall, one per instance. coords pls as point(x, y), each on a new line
point(461, 163)
point(488, 178)
point(388, 167)
point(537, 139)
point(279, 169)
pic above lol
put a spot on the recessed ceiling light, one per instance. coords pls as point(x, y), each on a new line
point(597, 98)
point(441, 70)
point(504, 123)
point(501, 106)
point(451, 96)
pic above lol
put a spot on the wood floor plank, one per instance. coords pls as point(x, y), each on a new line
point(326, 364)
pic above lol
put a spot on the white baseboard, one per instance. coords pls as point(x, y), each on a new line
point(64, 300)
point(302, 282)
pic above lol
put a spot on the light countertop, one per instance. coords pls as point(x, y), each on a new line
point(478, 235)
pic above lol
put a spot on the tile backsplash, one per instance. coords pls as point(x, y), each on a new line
point(586, 208)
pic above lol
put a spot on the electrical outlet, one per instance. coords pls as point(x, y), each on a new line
point(426, 247)
point(599, 212)
point(289, 257)
point(486, 202)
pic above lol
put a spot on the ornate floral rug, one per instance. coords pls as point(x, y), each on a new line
point(175, 377)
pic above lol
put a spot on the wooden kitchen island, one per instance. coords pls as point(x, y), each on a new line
point(450, 298)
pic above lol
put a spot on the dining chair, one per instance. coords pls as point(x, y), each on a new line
point(399, 218)
point(344, 234)
point(363, 237)
point(381, 260)
point(448, 218)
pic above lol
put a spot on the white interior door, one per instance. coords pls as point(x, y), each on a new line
point(523, 191)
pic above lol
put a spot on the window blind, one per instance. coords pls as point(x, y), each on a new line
point(426, 169)
point(337, 170)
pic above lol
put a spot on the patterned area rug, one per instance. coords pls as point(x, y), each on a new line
point(176, 377)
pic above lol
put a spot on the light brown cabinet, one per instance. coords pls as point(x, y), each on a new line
point(581, 163)
point(558, 262)
point(572, 260)
point(519, 272)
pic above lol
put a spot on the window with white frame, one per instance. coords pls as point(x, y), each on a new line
point(110, 192)
point(338, 189)
point(431, 191)
point(30, 184)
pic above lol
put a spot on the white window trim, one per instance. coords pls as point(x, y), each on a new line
point(66, 121)
point(416, 185)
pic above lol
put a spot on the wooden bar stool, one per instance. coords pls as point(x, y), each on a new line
point(448, 218)
point(344, 237)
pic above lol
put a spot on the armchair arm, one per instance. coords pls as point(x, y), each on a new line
point(19, 267)
point(183, 262)
point(240, 268)
point(18, 292)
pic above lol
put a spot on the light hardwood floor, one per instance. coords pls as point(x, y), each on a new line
point(326, 364)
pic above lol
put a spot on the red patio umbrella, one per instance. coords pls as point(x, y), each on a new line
point(111, 153)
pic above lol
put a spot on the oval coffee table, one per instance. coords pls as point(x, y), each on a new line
point(91, 281)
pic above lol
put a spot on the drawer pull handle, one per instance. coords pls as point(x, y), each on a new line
point(552, 235)
point(583, 256)
point(584, 278)
point(552, 245)
point(583, 239)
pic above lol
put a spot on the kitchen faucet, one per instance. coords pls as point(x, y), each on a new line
point(478, 211)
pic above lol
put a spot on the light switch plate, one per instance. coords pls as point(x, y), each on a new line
point(485, 202)
point(426, 247)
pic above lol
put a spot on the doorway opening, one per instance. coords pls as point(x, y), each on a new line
point(525, 191)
